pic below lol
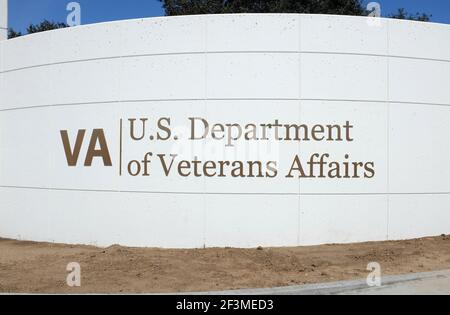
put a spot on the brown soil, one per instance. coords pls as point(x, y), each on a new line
point(41, 267)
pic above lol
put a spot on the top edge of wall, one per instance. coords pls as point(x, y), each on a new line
point(340, 34)
point(231, 14)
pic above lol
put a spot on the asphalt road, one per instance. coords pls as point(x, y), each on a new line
point(428, 283)
point(434, 286)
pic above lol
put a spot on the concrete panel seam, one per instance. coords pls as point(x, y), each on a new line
point(222, 52)
point(221, 99)
point(223, 193)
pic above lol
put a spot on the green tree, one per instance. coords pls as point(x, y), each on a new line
point(339, 7)
point(45, 26)
point(36, 28)
point(187, 7)
point(13, 34)
point(402, 14)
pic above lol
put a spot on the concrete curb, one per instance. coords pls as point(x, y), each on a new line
point(329, 288)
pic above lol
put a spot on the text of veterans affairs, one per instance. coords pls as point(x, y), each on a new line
point(315, 166)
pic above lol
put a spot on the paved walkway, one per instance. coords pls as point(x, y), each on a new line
point(435, 286)
point(419, 283)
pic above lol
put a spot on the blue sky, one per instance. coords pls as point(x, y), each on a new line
point(24, 12)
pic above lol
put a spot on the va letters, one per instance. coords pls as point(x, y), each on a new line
point(97, 137)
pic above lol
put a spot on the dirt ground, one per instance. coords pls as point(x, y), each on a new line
point(27, 267)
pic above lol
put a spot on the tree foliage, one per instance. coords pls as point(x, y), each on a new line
point(13, 34)
point(404, 15)
point(45, 26)
point(188, 7)
point(36, 28)
point(339, 7)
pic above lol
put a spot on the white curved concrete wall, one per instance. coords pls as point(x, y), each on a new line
point(389, 78)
